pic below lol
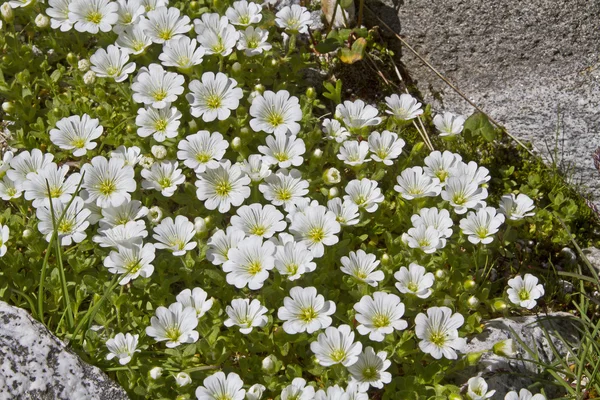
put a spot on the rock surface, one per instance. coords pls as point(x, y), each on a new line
point(504, 374)
point(34, 364)
point(533, 66)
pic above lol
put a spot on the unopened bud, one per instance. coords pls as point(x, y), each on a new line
point(83, 65)
point(155, 214)
point(505, 348)
point(156, 372)
point(42, 21)
point(385, 259)
point(200, 226)
point(473, 302)
point(473, 358)
point(89, 78)
point(499, 305)
point(8, 107)
point(259, 88)
point(236, 67)
point(7, 12)
point(440, 274)
point(146, 162)
point(311, 93)
point(269, 364)
point(236, 143)
point(71, 58)
point(158, 151)
point(332, 176)
point(318, 153)
point(255, 392)
point(469, 284)
point(183, 379)
point(27, 234)
point(333, 192)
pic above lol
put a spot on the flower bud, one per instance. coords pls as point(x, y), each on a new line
point(255, 392)
point(318, 153)
point(269, 364)
point(42, 21)
point(8, 107)
point(155, 214)
point(27, 234)
point(455, 396)
point(505, 348)
point(146, 162)
point(440, 274)
point(183, 379)
point(473, 302)
point(200, 226)
point(71, 59)
point(194, 5)
point(7, 12)
point(83, 65)
point(209, 222)
point(473, 358)
point(236, 67)
point(259, 88)
point(331, 176)
point(499, 305)
point(311, 93)
point(469, 284)
point(89, 78)
point(236, 143)
point(333, 192)
point(159, 151)
point(156, 372)
point(417, 147)
point(385, 259)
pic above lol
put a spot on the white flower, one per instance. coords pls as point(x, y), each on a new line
point(283, 149)
point(249, 263)
point(354, 153)
point(246, 315)
point(316, 227)
point(244, 13)
point(131, 261)
point(357, 115)
point(129, 234)
point(155, 373)
point(161, 123)
point(379, 315)
point(129, 14)
point(364, 193)
point(220, 243)
point(163, 176)
point(298, 391)
point(354, 393)
point(293, 259)
point(275, 113)
point(20, 3)
point(130, 155)
point(218, 386)
point(505, 348)
point(284, 188)
point(385, 146)
point(361, 266)
point(255, 167)
point(253, 41)
point(346, 213)
point(150, 5)
point(5, 162)
point(163, 24)
point(123, 347)
point(414, 280)
point(25, 163)
point(471, 171)
point(438, 331)
point(525, 291)
point(305, 311)
point(439, 165)
point(449, 124)
point(255, 392)
point(336, 346)
point(214, 97)
point(333, 393)
point(10, 189)
point(524, 394)
point(175, 324)
point(477, 389)
point(4, 234)
point(439, 219)
point(481, 226)
point(423, 237)
point(122, 214)
point(93, 15)
point(175, 235)
point(157, 87)
point(413, 184)
point(108, 182)
point(76, 133)
point(182, 379)
point(50, 183)
point(59, 14)
point(196, 299)
point(71, 228)
point(133, 40)
point(181, 53)
point(222, 187)
point(370, 368)
point(112, 63)
point(334, 130)
point(295, 18)
point(403, 107)
point(216, 35)
point(259, 220)
point(201, 150)
point(462, 193)
point(516, 208)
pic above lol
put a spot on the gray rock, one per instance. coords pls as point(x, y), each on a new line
point(593, 256)
point(34, 364)
point(533, 66)
point(504, 374)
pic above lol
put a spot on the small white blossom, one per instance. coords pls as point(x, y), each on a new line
point(364, 193)
point(163, 176)
point(259, 220)
point(516, 207)
point(293, 259)
point(175, 235)
point(108, 182)
point(123, 347)
point(305, 311)
point(357, 115)
point(4, 235)
point(403, 107)
point(219, 386)
point(482, 225)
point(73, 225)
point(182, 53)
point(438, 331)
point(131, 261)
point(156, 87)
point(249, 263)
point(284, 188)
point(423, 237)
point(244, 13)
point(336, 346)
point(439, 219)
point(163, 24)
point(25, 163)
point(10, 189)
point(128, 234)
point(346, 212)
point(175, 325)
point(50, 183)
point(196, 299)
point(449, 124)
point(130, 155)
point(133, 40)
point(316, 227)
point(354, 153)
point(160, 123)
point(275, 113)
point(112, 63)
point(256, 168)
point(214, 97)
point(385, 146)
point(370, 370)
point(524, 291)
point(201, 150)
point(439, 165)
point(523, 394)
point(298, 390)
point(361, 266)
point(253, 41)
point(334, 130)
point(413, 184)
point(283, 150)
point(129, 12)
point(182, 379)
point(462, 193)
point(246, 315)
point(59, 14)
point(93, 15)
point(294, 18)
point(477, 389)
point(414, 280)
point(76, 133)
point(222, 187)
point(379, 315)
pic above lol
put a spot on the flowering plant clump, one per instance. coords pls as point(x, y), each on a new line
point(209, 227)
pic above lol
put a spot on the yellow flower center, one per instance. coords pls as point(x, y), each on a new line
point(203, 157)
point(307, 314)
point(213, 101)
point(275, 119)
point(523, 294)
point(316, 234)
point(159, 95)
point(107, 187)
point(437, 338)
point(337, 355)
point(160, 125)
point(94, 17)
point(165, 34)
point(381, 320)
point(283, 194)
point(223, 188)
point(254, 267)
point(258, 230)
point(78, 143)
point(66, 226)
point(165, 182)
point(172, 333)
point(412, 286)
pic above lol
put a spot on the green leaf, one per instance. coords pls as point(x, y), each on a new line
point(333, 93)
point(355, 53)
point(478, 124)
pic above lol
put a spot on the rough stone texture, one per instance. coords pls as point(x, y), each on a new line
point(532, 65)
point(503, 374)
point(593, 256)
point(34, 364)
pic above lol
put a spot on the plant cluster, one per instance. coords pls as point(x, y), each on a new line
point(194, 219)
